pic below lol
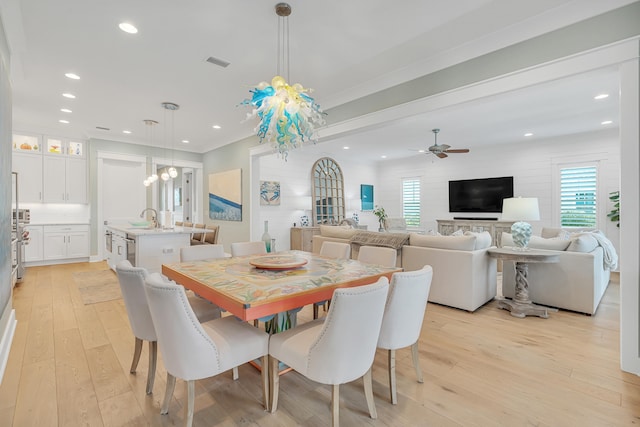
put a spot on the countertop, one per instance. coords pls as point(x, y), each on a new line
point(145, 231)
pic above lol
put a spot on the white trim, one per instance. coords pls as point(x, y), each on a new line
point(5, 342)
point(197, 186)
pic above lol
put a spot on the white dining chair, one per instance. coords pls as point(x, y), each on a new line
point(131, 281)
point(248, 248)
point(337, 349)
point(193, 351)
point(403, 317)
point(378, 255)
point(201, 252)
point(335, 250)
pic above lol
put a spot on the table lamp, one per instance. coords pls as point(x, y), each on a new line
point(521, 209)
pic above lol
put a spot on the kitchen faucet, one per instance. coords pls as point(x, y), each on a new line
point(154, 217)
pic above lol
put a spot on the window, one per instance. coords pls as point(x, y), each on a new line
point(578, 196)
point(411, 201)
point(328, 192)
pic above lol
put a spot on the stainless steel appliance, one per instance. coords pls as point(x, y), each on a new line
point(19, 218)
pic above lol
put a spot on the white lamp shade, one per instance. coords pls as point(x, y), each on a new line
point(521, 209)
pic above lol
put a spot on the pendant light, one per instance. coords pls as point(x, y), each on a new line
point(171, 172)
point(153, 177)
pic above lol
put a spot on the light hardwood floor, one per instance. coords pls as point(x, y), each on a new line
point(69, 366)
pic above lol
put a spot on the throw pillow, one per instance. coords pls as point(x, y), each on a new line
point(538, 242)
point(583, 242)
point(483, 239)
point(336, 231)
point(461, 243)
point(458, 232)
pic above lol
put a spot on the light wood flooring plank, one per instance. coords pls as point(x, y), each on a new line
point(106, 372)
point(37, 404)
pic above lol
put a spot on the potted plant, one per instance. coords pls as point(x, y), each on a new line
point(614, 215)
point(382, 217)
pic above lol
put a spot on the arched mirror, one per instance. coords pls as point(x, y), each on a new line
point(328, 192)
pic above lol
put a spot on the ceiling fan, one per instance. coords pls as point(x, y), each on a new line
point(441, 150)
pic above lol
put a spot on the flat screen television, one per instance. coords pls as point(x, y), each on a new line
point(479, 195)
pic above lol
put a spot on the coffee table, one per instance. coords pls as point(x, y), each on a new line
point(521, 306)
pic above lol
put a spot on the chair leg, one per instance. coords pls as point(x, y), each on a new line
point(335, 405)
point(136, 355)
point(315, 311)
point(392, 377)
point(416, 361)
point(274, 383)
point(168, 394)
point(153, 358)
point(368, 394)
point(265, 380)
point(256, 323)
point(191, 397)
point(236, 375)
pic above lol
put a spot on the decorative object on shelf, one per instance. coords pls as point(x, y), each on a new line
point(154, 176)
point(288, 115)
point(356, 218)
point(521, 209)
point(614, 215)
point(269, 193)
point(382, 217)
point(225, 195)
point(366, 197)
point(304, 221)
point(266, 238)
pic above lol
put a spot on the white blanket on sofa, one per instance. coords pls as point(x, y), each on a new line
point(610, 254)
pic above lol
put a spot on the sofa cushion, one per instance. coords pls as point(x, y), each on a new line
point(538, 242)
point(583, 242)
point(337, 231)
point(561, 233)
point(483, 239)
point(461, 243)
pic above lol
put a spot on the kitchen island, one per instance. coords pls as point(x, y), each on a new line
point(147, 247)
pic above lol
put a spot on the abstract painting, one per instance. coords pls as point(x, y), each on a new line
point(366, 197)
point(269, 193)
point(225, 195)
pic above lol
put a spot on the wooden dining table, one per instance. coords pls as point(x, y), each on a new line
point(249, 292)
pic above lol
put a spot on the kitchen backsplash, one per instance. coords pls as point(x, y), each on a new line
point(52, 213)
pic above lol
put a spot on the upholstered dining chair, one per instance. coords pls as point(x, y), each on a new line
point(200, 252)
point(193, 351)
point(197, 238)
point(178, 223)
point(378, 255)
point(132, 286)
point(248, 248)
point(335, 250)
point(337, 349)
point(403, 317)
point(212, 237)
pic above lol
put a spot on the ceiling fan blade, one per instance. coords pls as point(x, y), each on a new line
point(458, 150)
point(441, 155)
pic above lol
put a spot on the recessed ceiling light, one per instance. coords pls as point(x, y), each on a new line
point(65, 110)
point(216, 126)
point(72, 76)
point(421, 151)
point(128, 28)
point(345, 148)
point(601, 96)
point(64, 121)
point(606, 122)
point(126, 131)
point(69, 95)
point(383, 156)
point(528, 134)
point(185, 141)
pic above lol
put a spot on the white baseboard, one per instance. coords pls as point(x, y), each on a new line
point(5, 342)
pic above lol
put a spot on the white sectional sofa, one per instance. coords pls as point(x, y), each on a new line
point(577, 282)
point(464, 275)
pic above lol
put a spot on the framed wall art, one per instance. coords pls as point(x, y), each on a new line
point(269, 193)
point(366, 197)
point(225, 195)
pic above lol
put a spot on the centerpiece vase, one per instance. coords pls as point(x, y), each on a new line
point(266, 238)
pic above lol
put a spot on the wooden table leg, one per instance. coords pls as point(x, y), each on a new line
point(521, 306)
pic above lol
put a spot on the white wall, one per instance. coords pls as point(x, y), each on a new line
point(531, 164)
point(294, 176)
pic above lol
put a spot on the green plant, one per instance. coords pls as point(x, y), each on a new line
point(614, 215)
point(381, 214)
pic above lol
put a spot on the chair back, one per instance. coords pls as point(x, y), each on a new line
point(178, 223)
point(345, 347)
point(248, 248)
point(187, 350)
point(135, 301)
point(197, 236)
point(199, 252)
point(406, 305)
point(212, 237)
point(378, 255)
point(335, 250)
point(187, 224)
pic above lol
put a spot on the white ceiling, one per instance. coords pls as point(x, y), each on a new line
point(344, 50)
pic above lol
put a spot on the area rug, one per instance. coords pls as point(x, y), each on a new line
point(97, 286)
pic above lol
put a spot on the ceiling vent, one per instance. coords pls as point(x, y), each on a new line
point(219, 62)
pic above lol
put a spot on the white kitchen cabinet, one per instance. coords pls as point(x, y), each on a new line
point(33, 250)
point(65, 241)
point(65, 179)
point(29, 168)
